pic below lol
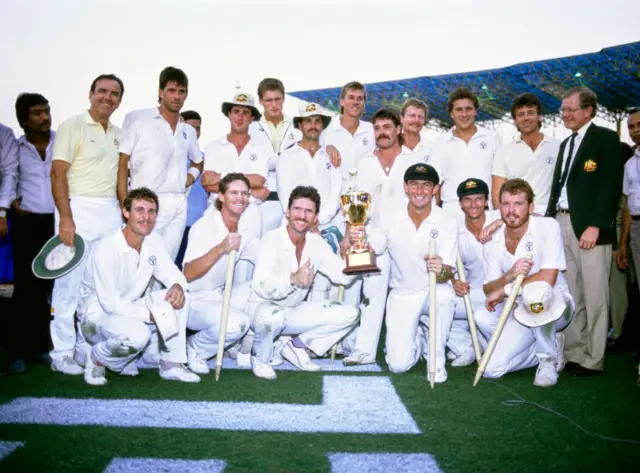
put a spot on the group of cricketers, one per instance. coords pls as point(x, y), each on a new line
point(273, 187)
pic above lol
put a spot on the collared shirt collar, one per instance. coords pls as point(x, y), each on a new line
point(337, 125)
point(89, 119)
point(545, 139)
point(582, 131)
point(22, 141)
point(480, 131)
point(285, 118)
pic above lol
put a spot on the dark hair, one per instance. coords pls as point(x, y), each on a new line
point(108, 77)
point(190, 115)
point(462, 93)
point(305, 192)
point(525, 100)
point(388, 114)
point(173, 74)
point(224, 185)
point(414, 102)
point(24, 102)
point(141, 193)
point(353, 85)
point(516, 186)
point(588, 98)
point(268, 84)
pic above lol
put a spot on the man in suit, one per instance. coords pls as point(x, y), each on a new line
point(587, 184)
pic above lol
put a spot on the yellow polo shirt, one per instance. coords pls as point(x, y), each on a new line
point(92, 153)
point(276, 132)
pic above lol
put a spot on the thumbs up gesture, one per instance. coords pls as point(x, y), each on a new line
point(304, 276)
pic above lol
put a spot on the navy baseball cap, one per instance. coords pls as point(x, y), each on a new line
point(472, 186)
point(422, 172)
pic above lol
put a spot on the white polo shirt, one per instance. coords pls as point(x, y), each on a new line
point(518, 160)
point(352, 147)
point(222, 157)
point(424, 149)
point(116, 275)
point(408, 246)
point(471, 249)
point(631, 183)
point(296, 167)
point(208, 232)
point(371, 176)
point(543, 240)
point(457, 161)
point(157, 153)
point(277, 261)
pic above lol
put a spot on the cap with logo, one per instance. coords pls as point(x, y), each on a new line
point(55, 259)
point(310, 110)
point(539, 305)
point(421, 172)
point(472, 186)
point(245, 100)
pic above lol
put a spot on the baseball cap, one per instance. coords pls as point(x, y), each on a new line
point(421, 172)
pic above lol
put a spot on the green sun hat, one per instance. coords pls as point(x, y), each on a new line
point(55, 259)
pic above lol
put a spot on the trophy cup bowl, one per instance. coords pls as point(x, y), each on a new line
point(355, 206)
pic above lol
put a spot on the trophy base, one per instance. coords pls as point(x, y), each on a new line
point(361, 262)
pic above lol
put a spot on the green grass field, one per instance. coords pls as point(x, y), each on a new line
point(465, 429)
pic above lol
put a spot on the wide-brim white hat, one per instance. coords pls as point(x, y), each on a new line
point(164, 315)
point(245, 100)
point(539, 305)
point(55, 259)
point(310, 110)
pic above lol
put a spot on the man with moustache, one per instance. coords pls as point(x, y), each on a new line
point(465, 151)
point(155, 144)
point(32, 225)
point(83, 180)
point(406, 233)
point(585, 194)
point(531, 156)
point(415, 114)
point(223, 229)
point(530, 246)
point(380, 173)
point(276, 132)
point(117, 321)
point(347, 138)
point(289, 258)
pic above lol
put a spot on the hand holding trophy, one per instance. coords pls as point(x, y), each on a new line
point(355, 206)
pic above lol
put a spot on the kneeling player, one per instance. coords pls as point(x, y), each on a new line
point(223, 228)
point(289, 258)
point(545, 306)
point(114, 317)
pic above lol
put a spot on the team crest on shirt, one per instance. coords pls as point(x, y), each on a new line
point(328, 166)
point(529, 246)
point(365, 141)
point(253, 157)
point(590, 165)
point(152, 260)
point(116, 143)
point(483, 145)
point(434, 234)
point(184, 135)
point(536, 307)
point(291, 137)
point(549, 160)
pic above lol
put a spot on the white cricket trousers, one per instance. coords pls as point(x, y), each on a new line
point(117, 339)
point(520, 347)
point(171, 221)
point(205, 316)
point(460, 335)
point(319, 325)
point(94, 217)
point(405, 311)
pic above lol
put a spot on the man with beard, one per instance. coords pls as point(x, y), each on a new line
point(32, 225)
point(531, 156)
point(221, 230)
point(347, 138)
point(117, 321)
point(415, 114)
point(276, 132)
point(531, 246)
point(290, 257)
point(466, 151)
point(83, 180)
point(381, 175)
point(474, 201)
point(406, 234)
point(155, 144)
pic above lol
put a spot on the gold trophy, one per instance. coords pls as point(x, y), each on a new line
point(355, 206)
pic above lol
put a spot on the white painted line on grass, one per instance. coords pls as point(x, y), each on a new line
point(350, 404)
point(7, 448)
point(164, 465)
point(383, 463)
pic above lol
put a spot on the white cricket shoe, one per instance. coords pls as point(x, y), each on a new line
point(546, 375)
point(560, 361)
point(441, 375)
point(358, 358)
point(178, 372)
point(131, 369)
point(66, 365)
point(262, 370)
point(451, 356)
point(94, 374)
point(298, 357)
point(195, 361)
point(243, 360)
point(465, 359)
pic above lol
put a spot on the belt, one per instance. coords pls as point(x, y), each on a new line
point(563, 211)
point(273, 196)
